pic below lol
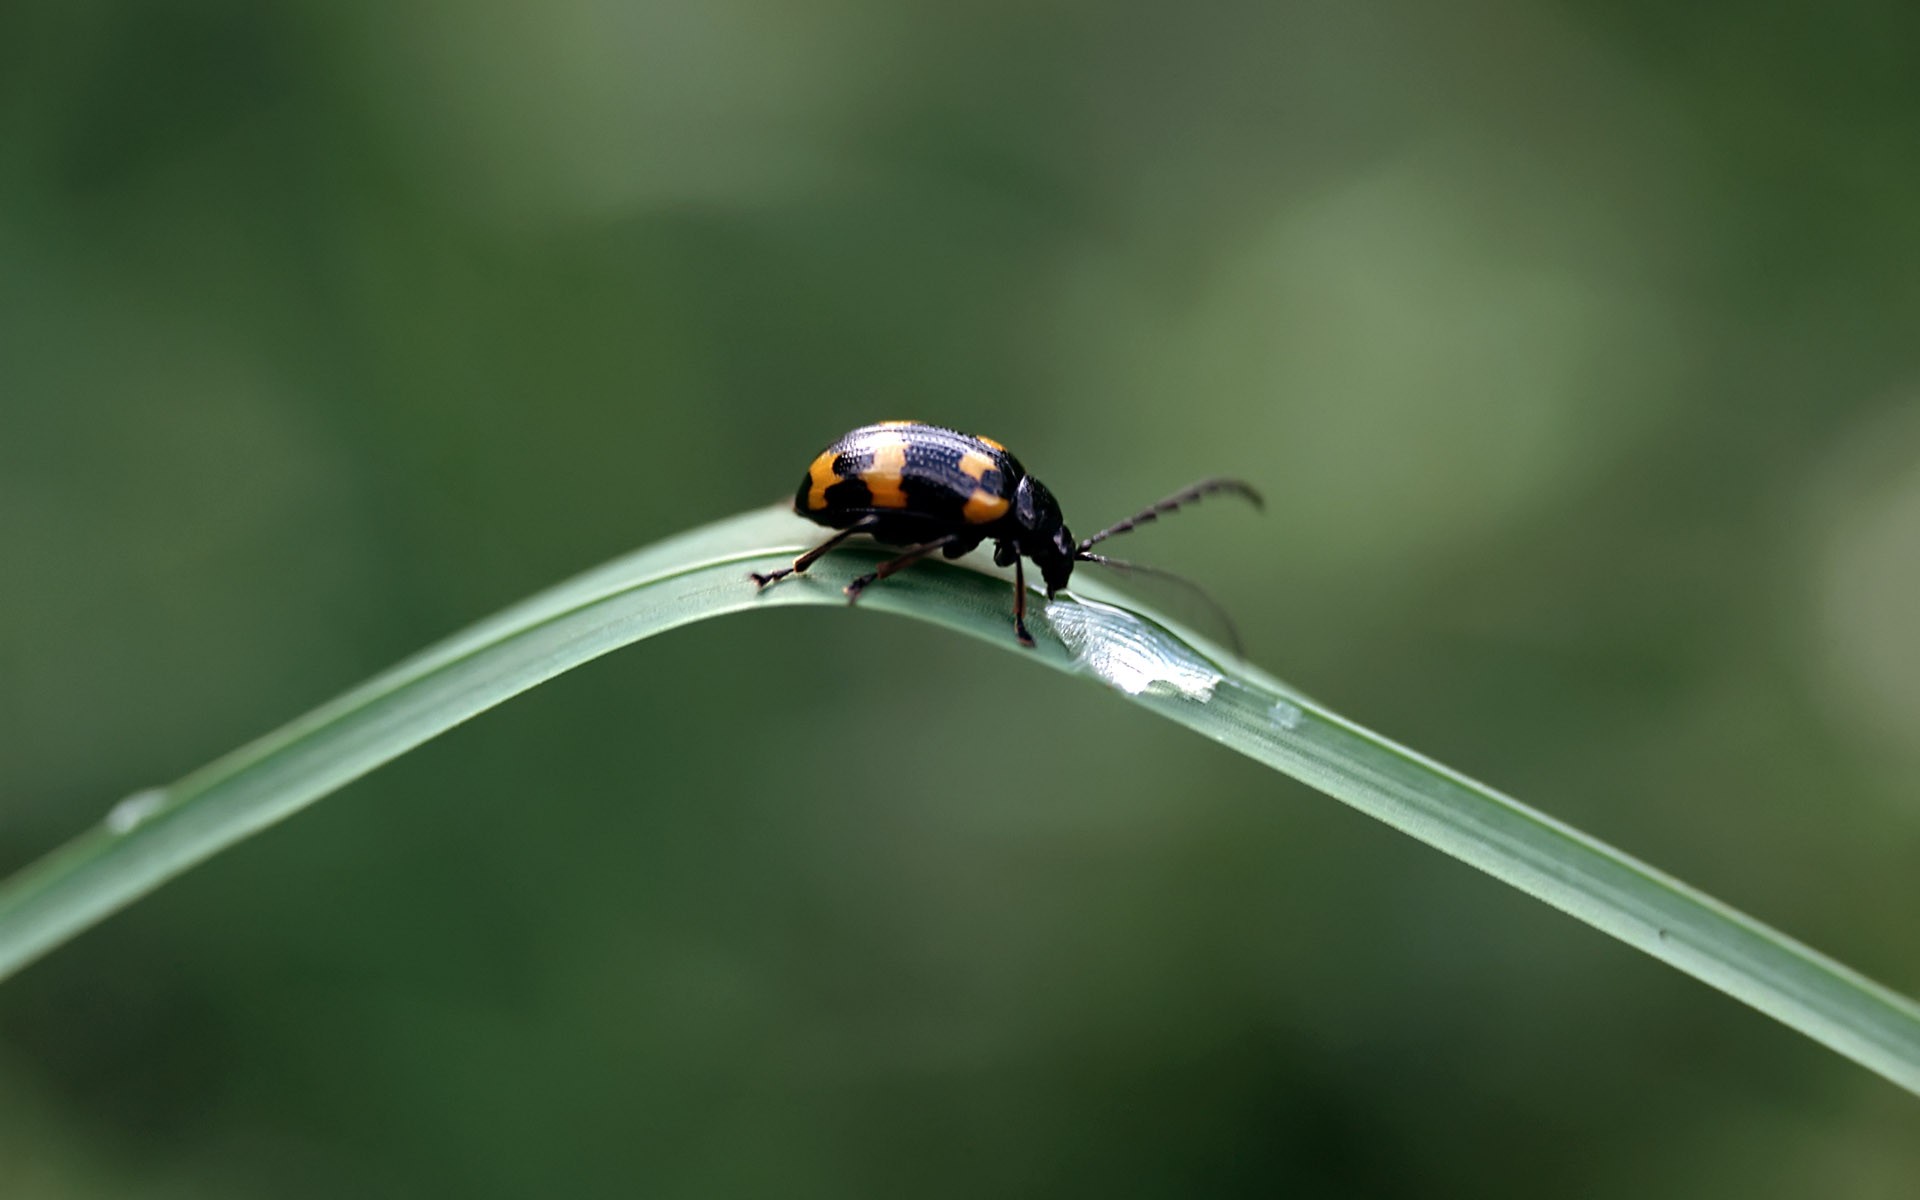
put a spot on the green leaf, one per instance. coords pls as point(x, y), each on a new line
point(155, 835)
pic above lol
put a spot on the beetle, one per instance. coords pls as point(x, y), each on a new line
point(928, 488)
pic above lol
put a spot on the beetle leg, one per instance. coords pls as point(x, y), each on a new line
point(894, 564)
point(806, 560)
point(1020, 604)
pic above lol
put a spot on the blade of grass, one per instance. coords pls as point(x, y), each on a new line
point(155, 835)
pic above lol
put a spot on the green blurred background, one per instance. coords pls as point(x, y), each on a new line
point(1577, 347)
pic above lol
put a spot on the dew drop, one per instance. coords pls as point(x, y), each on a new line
point(1130, 654)
point(1285, 715)
point(130, 813)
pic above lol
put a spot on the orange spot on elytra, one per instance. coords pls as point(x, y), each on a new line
point(823, 476)
point(982, 508)
point(883, 478)
point(976, 464)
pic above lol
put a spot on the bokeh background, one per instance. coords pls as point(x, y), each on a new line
point(1576, 345)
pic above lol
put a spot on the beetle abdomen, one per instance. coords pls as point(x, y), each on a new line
point(907, 473)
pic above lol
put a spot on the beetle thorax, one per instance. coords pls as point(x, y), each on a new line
point(1044, 536)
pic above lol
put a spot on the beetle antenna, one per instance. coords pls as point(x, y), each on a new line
point(1206, 487)
point(1218, 609)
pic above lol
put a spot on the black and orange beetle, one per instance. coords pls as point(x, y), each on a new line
point(928, 488)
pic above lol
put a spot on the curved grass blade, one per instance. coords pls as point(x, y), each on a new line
point(155, 835)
